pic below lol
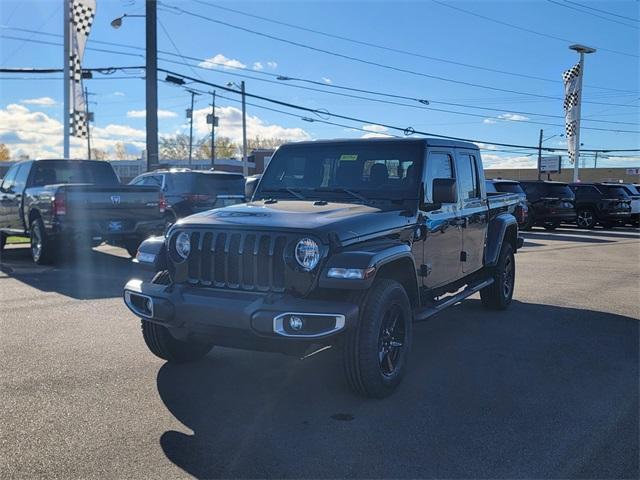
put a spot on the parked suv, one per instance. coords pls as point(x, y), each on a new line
point(500, 186)
point(634, 194)
point(190, 191)
point(607, 204)
point(345, 244)
point(550, 203)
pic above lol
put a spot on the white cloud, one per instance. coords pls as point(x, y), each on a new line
point(510, 117)
point(374, 128)
point(491, 160)
point(327, 80)
point(38, 135)
point(40, 101)
point(118, 94)
point(230, 125)
point(220, 61)
point(258, 66)
point(485, 146)
point(143, 113)
point(272, 65)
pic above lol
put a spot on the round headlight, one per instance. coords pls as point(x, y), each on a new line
point(307, 254)
point(183, 244)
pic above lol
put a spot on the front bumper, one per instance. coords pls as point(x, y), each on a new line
point(237, 317)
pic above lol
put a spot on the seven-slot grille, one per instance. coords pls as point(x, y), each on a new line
point(237, 260)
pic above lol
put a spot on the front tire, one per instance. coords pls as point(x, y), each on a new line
point(498, 295)
point(376, 351)
point(163, 345)
point(42, 246)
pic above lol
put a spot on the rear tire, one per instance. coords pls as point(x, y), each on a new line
point(42, 246)
point(376, 351)
point(498, 295)
point(586, 219)
point(551, 226)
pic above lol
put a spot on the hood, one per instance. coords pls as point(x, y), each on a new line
point(347, 221)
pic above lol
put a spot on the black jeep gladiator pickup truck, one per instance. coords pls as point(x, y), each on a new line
point(345, 244)
point(59, 203)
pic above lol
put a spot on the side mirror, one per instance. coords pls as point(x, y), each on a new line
point(444, 190)
point(250, 188)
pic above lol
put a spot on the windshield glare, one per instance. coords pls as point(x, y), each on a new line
point(509, 187)
point(385, 170)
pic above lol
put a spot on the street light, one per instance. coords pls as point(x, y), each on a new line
point(245, 166)
point(117, 22)
point(581, 49)
point(151, 78)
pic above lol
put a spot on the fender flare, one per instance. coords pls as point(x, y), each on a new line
point(504, 227)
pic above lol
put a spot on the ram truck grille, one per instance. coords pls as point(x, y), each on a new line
point(237, 260)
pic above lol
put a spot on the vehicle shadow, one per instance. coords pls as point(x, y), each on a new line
point(88, 274)
point(598, 233)
point(561, 237)
point(538, 391)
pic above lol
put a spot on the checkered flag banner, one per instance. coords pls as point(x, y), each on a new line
point(571, 79)
point(81, 16)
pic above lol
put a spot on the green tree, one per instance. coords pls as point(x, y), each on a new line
point(259, 142)
point(225, 148)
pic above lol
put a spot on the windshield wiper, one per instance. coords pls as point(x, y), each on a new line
point(290, 191)
point(342, 190)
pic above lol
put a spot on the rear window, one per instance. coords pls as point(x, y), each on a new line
point(508, 187)
point(551, 190)
point(615, 192)
point(73, 171)
point(491, 188)
point(208, 183)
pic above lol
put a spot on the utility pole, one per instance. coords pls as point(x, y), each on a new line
point(87, 115)
point(66, 65)
point(245, 166)
point(151, 83)
point(193, 94)
point(540, 153)
point(213, 129)
point(581, 49)
point(595, 163)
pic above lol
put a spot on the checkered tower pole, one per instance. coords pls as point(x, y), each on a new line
point(66, 29)
point(576, 163)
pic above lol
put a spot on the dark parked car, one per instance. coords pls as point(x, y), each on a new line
point(634, 194)
point(500, 186)
point(550, 203)
point(607, 204)
point(191, 191)
point(345, 244)
point(56, 202)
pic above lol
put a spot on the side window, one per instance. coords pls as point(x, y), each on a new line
point(137, 181)
point(7, 182)
point(21, 177)
point(439, 165)
point(467, 177)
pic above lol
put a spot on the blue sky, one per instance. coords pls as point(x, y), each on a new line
point(426, 27)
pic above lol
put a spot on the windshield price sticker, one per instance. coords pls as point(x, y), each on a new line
point(348, 158)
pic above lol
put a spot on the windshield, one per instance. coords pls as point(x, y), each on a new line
point(509, 187)
point(358, 171)
point(73, 171)
point(615, 192)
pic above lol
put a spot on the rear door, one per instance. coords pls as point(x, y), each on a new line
point(473, 210)
point(6, 193)
point(444, 236)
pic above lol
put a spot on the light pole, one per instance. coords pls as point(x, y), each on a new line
point(581, 49)
point(193, 94)
point(245, 166)
point(151, 78)
point(213, 121)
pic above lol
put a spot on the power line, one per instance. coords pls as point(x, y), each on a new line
point(603, 11)
point(357, 59)
point(200, 60)
point(592, 14)
point(387, 48)
point(524, 29)
point(406, 130)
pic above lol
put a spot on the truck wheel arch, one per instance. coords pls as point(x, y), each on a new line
point(503, 228)
point(403, 271)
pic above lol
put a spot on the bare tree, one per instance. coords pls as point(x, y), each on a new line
point(5, 154)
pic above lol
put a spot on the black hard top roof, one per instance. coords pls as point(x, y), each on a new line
point(429, 142)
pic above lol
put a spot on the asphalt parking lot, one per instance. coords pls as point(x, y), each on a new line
point(547, 389)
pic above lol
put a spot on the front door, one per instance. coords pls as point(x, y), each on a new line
point(473, 213)
point(443, 233)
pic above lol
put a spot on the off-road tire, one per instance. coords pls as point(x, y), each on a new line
point(362, 344)
point(497, 296)
point(162, 344)
point(41, 245)
point(131, 246)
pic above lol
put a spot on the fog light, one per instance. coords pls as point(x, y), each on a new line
point(296, 323)
point(148, 304)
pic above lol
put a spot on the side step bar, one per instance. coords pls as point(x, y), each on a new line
point(426, 312)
